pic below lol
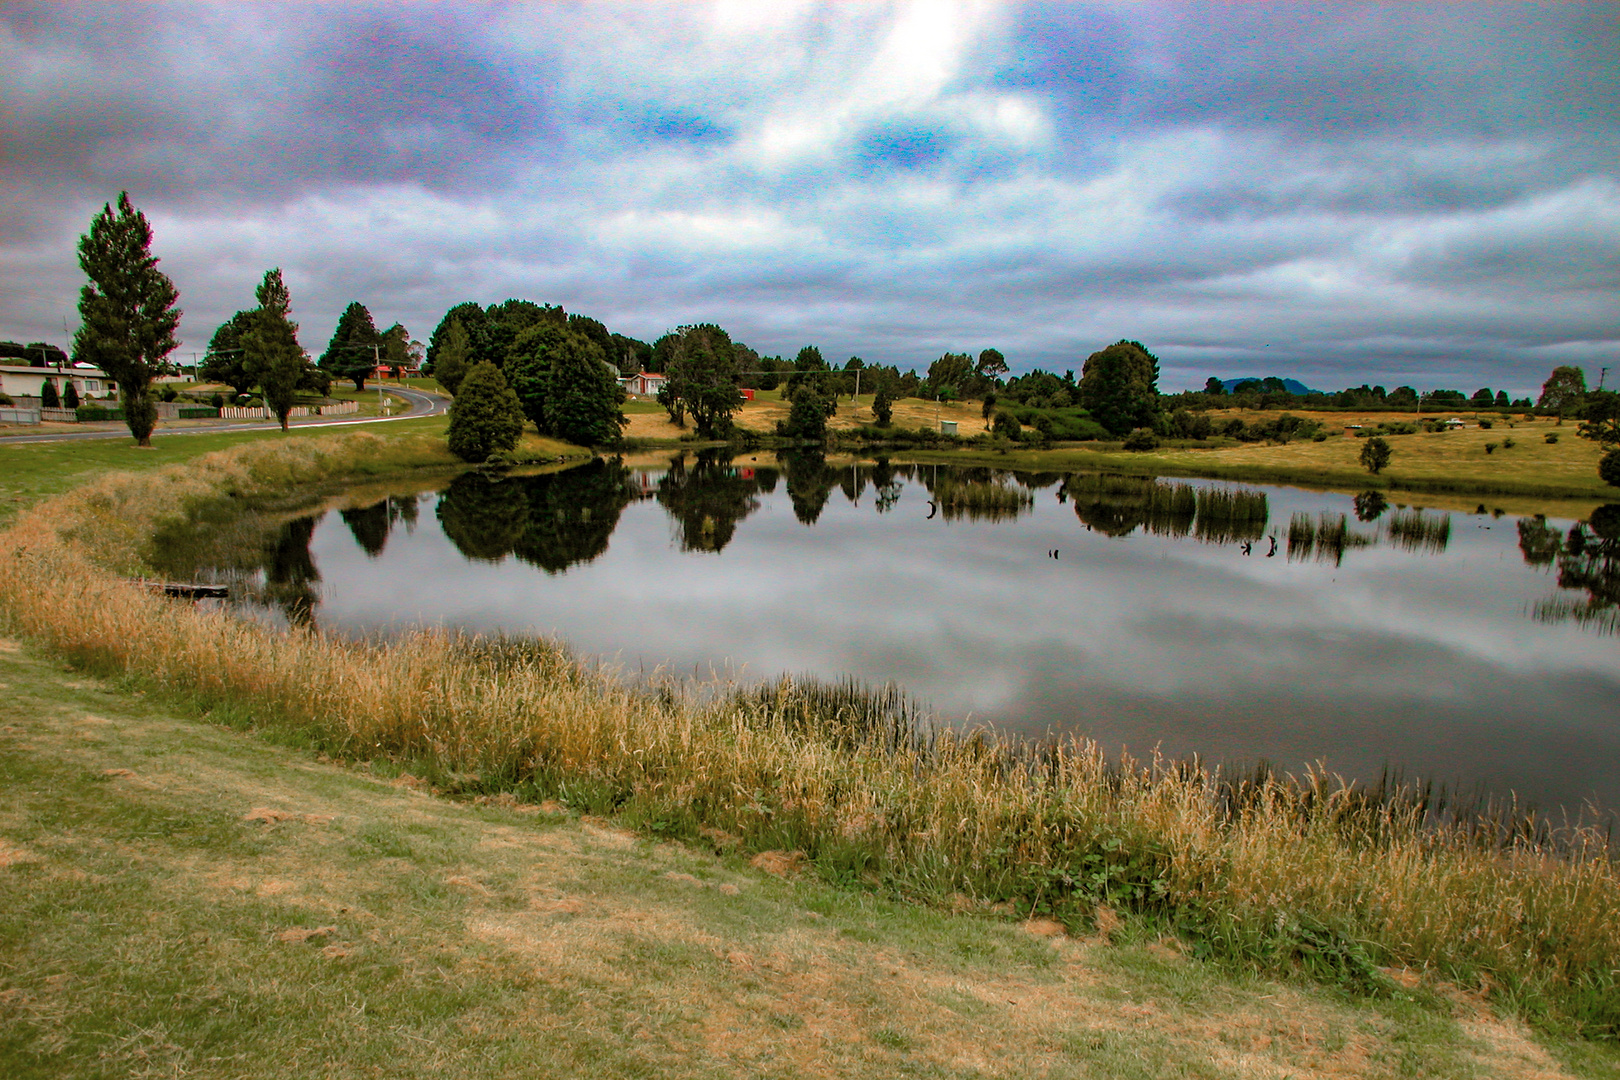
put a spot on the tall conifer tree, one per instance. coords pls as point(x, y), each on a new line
point(127, 313)
point(355, 347)
point(274, 358)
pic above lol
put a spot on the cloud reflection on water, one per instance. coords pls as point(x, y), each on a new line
point(1429, 661)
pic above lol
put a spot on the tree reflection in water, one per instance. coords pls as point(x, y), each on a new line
point(707, 499)
point(559, 520)
point(484, 514)
point(290, 573)
point(551, 521)
point(1118, 505)
point(1588, 559)
point(809, 483)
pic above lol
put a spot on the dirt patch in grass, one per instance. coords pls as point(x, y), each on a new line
point(15, 854)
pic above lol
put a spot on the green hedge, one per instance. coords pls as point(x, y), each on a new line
point(98, 412)
point(198, 412)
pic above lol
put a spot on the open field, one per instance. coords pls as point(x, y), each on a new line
point(1453, 463)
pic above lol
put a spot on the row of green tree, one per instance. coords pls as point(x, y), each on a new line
point(129, 313)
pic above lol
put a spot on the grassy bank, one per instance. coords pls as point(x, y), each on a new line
point(1273, 875)
point(33, 471)
point(1454, 462)
point(179, 899)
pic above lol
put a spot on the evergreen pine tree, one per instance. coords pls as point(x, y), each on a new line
point(274, 357)
point(352, 353)
point(486, 417)
point(70, 395)
point(127, 312)
point(47, 396)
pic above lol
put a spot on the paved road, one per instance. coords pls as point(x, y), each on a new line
point(421, 404)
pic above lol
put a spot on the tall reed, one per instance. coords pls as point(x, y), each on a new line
point(981, 500)
point(1231, 515)
point(1326, 537)
point(1414, 530)
point(1268, 871)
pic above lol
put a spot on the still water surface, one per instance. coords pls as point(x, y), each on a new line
point(1446, 649)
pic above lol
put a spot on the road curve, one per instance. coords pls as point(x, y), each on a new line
point(422, 404)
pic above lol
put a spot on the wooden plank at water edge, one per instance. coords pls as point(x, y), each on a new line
point(187, 589)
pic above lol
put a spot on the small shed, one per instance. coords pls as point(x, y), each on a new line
point(947, 427)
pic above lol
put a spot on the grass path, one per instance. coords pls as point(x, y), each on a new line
point(178, 898)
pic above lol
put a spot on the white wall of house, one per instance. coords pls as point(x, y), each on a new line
point(24, 381)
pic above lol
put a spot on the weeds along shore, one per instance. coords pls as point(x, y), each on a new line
point(1270, 872)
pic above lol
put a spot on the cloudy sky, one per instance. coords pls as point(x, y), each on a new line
point(1391, 192)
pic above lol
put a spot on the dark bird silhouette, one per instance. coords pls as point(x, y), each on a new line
point(933, 508)
point(1273, 550)
point(1248, 546)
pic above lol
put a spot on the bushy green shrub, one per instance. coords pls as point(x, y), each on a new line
point(47, 396)
point(1063, 424)
point(1007, 426)
point(1609, 468)
point(1142, 439)
point(883, 405)
point(808, 417)
point(485, 418)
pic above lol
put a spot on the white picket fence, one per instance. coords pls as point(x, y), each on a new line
point(60, 416)
point(261, 412)
point(19, 416)
point(257, 412)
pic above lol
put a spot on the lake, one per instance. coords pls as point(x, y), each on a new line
point(1234, 622)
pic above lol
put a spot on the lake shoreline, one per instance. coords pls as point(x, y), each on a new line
point(1052, 836)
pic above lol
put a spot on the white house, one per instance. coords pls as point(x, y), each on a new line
point(644, 383)
point(20, 380)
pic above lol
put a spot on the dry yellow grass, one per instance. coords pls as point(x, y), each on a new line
point(763, 414)
point(1289, 871)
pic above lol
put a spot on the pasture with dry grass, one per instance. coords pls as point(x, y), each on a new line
point(1450, 463)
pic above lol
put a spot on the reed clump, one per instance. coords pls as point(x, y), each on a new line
point(1326, 537)
point(1271, 871)
point(1231, 515)
point(1414, 530)
point(981, 500)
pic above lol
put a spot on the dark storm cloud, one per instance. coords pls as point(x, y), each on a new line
point(261, 104)
point(1387, 192)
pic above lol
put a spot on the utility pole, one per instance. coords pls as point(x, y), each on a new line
point(1603, 373)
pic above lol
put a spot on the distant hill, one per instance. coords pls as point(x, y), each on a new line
point(1293, 386)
